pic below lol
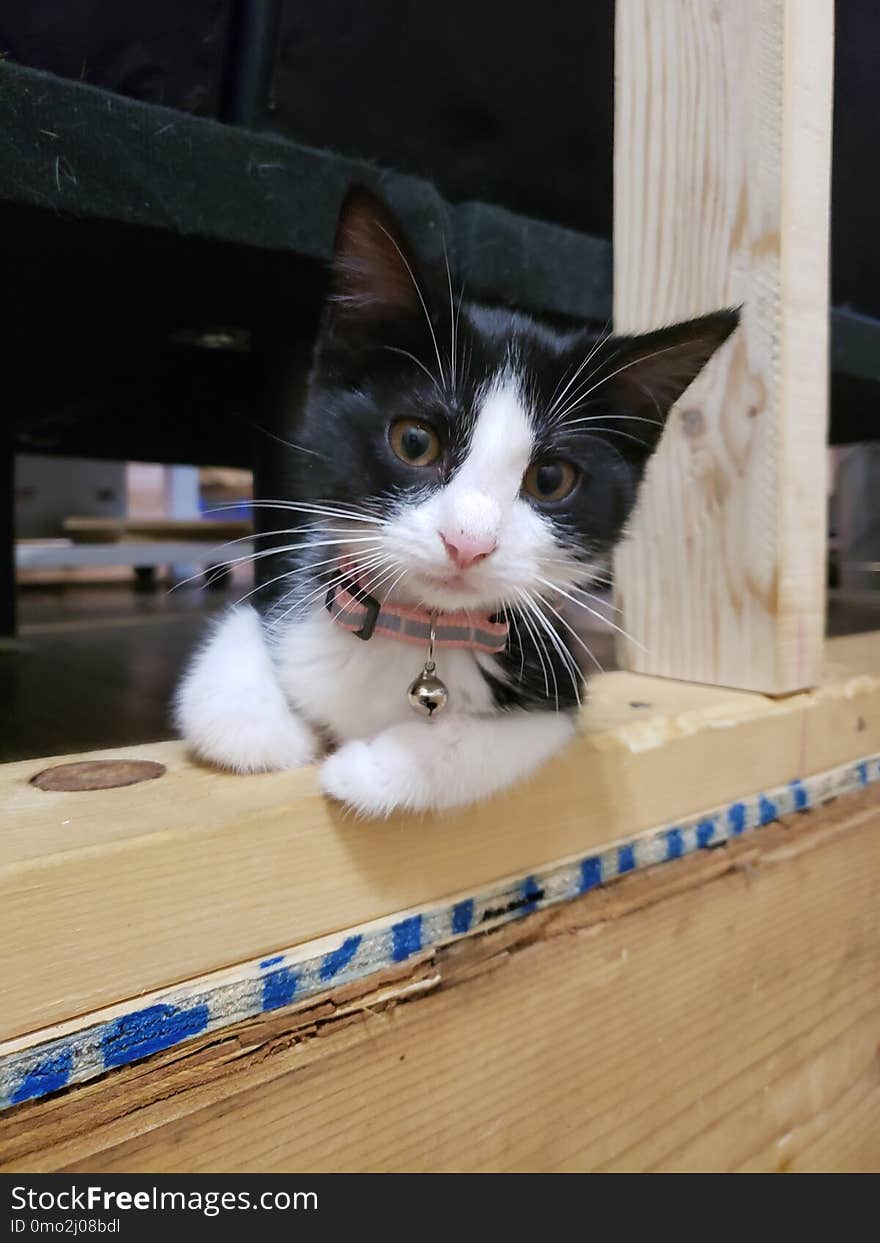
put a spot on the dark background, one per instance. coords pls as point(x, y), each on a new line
point(500, 102)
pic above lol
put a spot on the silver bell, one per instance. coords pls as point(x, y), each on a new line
point(427, 694)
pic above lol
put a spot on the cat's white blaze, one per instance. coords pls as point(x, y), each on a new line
point(475, 503)
point(483, 504)
point(490, 478)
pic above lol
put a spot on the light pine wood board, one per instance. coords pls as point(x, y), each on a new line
point(44, 1062)
point(717, 1013)
point(108, 894)
point(722, 155)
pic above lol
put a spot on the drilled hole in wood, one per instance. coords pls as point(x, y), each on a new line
point(97, 774)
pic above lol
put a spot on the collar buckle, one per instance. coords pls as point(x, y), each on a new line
point(370, 604)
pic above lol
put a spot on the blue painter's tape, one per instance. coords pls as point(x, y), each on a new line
point(532, 893)
point(463, 916)
point(801, 797)
point(334, 962)
point(736, 818)
point(279, 988)
point(45, 1077)
point(674, 843)
point(591, 873)
point(149, 1031)
point(705, 833)
point(58, 1063)
point(767, 810)
point(406, 938)
point(626, 858)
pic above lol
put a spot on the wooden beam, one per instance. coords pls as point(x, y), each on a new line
point(722, 159)
point(716, 1013)
point(133, 889)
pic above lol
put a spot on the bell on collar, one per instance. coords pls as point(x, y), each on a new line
point(427, 694)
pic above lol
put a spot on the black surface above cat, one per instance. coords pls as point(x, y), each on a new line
point(399, 346)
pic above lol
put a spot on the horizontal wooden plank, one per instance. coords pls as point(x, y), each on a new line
point(717, 1013)
point(106, 530)
point(147, 552)
point(51, 1059)
point(128, 890)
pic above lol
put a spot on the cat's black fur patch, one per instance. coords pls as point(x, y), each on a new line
point(374, 362)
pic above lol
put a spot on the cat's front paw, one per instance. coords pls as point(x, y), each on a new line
point(253, 742)
point(372, 777)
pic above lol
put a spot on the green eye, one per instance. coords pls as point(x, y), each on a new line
point(415, 443)
point(550, 481)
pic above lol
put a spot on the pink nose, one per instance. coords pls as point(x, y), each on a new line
point(465, 550)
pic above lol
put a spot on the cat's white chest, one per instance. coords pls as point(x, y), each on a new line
point(355, 688)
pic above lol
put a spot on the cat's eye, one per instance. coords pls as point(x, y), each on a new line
point(414, 442)
point(550, 481)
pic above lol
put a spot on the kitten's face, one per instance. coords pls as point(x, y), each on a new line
point(495, 460)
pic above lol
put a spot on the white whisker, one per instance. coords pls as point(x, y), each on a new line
point(295, 572)
point(276, 552)
point(308, 507)
point(601, 340)
point(510, 611)
point(634, 362)
point(570, 629)
point(353, 567)
point(606, 620)
point(453, 358)
point(536, 639)
point(405, 262)
point(393, 349)
point(564, 655)
point(611, 418)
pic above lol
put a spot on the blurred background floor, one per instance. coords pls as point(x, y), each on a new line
point(96, 666)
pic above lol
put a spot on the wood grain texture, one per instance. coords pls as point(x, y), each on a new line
point(718, 1013)
point(722, 167)
point(108, 894)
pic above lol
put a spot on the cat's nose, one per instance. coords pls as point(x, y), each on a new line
point(465, 550)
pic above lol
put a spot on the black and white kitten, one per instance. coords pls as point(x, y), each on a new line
point(451, 459)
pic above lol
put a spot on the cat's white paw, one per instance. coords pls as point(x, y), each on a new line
point(374, 778)
point(448, 763)
point(255, 743)
point(230, 709)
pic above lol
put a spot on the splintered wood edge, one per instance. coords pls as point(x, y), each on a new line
point(48, 1061)
point(45, 1134)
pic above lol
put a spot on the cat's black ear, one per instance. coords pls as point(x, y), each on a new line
point(644, 376)
point(375, 280)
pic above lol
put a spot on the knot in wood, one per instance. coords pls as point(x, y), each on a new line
point(97, 774)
